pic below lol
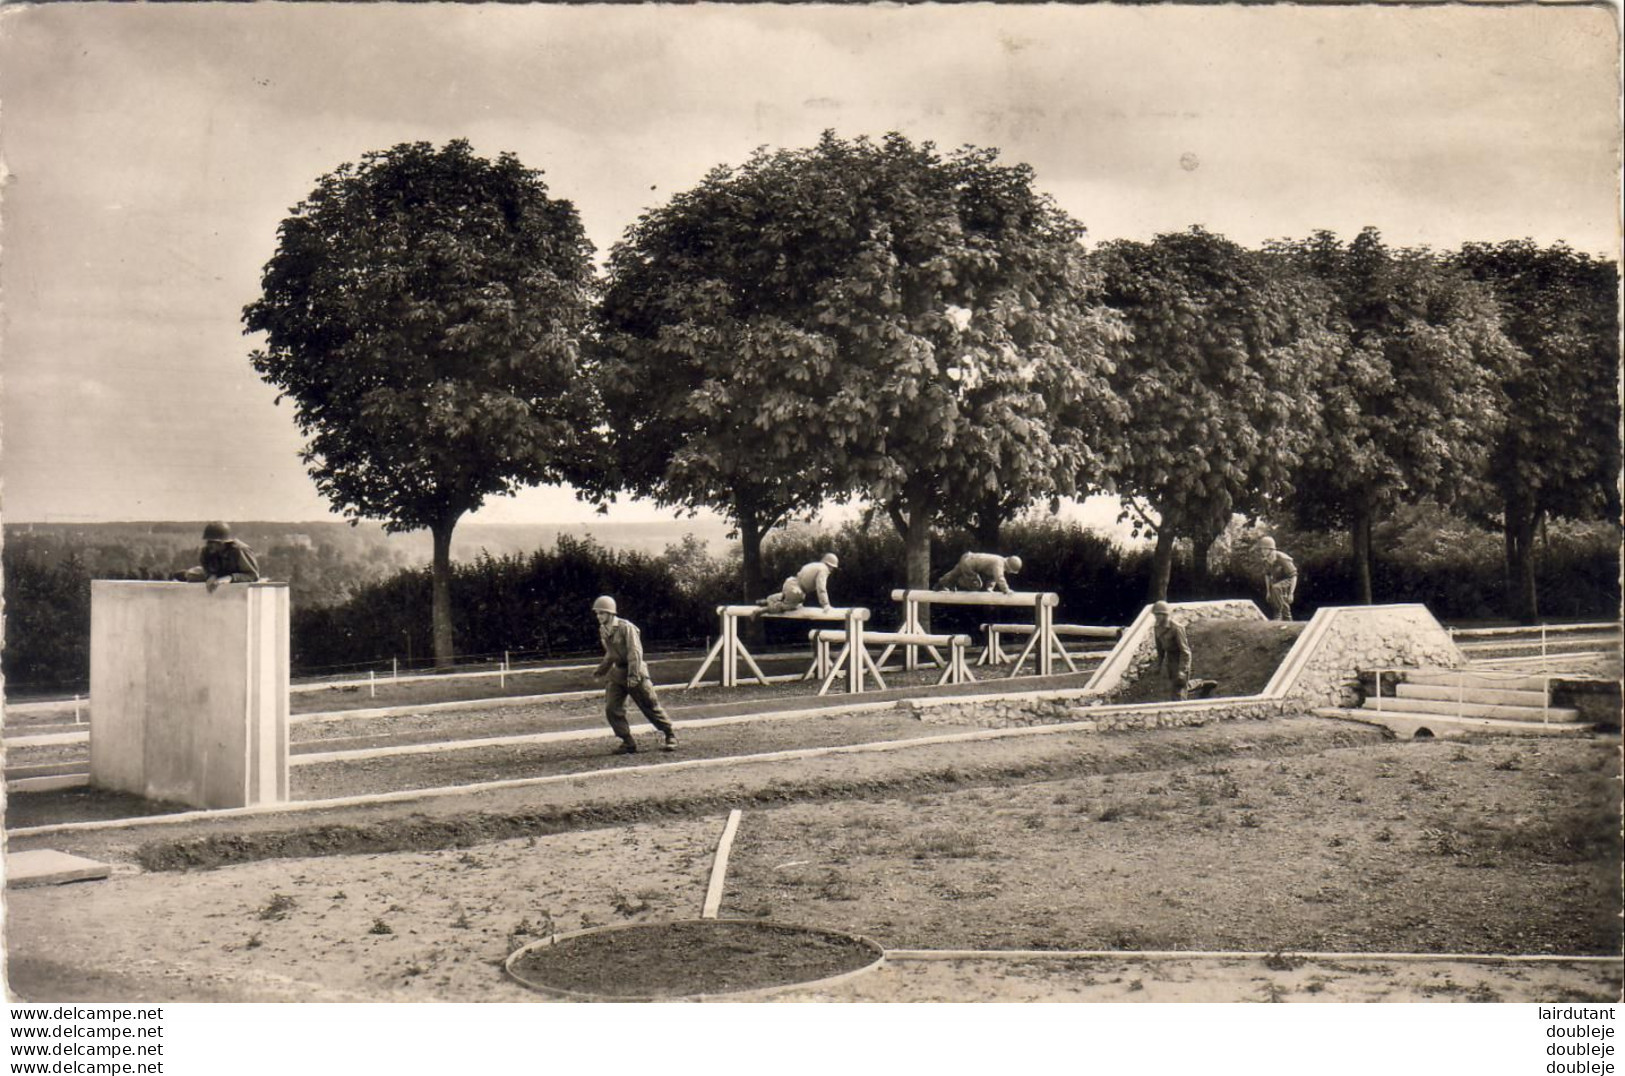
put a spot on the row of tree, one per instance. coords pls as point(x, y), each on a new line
point(925, 332)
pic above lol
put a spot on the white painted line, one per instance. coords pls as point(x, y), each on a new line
point(568, 735)
point(493, 702)
point(48, 784)
point(719, 867)
point(1178, 954)
point(652, 769)
point(49, 739)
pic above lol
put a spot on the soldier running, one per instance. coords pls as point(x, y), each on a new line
point(628, 676)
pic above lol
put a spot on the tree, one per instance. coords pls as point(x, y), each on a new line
point(1558, 453)
point(1218, 377)
point(1410, 407)
point(865, 318)
point(423, 310)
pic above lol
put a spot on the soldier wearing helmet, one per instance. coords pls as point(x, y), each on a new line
point(628, 676)
point(813, 579)
point(223, 559)
point(1173, 649)
point(1280, 579)
point(980, 571)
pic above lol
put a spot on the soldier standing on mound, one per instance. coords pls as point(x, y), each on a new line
point(1280, 579)
point(980, 571)
point(223, 559)
point(628, 675)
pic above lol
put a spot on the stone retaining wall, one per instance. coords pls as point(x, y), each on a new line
point(1033, 711)
point(1342, 642)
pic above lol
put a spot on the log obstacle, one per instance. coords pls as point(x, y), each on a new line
point(855, 655)
point(993, 650)
point(731, 649)
point(1042, 603)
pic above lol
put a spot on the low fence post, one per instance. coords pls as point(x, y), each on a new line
point(372, 684)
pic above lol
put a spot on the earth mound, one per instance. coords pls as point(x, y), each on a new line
point(1241, 655)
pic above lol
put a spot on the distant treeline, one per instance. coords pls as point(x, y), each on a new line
point(538, 604)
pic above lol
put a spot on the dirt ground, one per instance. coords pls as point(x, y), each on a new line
point(1272, 837)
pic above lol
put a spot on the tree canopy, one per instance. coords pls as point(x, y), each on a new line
point(1219, 379)
point(863, 318)
point(423, 311)
point(1558, 453)
point(1411, 405)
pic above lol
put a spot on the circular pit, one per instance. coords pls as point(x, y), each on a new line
point(689, 958)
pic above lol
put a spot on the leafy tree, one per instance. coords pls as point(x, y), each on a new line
point(860, 317)
point(1410, 407)
point(1559, 451)
point(423, 311)
point(1219, 378)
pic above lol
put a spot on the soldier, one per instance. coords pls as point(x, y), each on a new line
point(812, 579)
point(223, 559)
point(1280, 579)
point(628, 675)
point(980, 571)
point(1173, 649)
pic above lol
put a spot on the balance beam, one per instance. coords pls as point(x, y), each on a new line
point(1042, 603)
point(993, 651)
point(730, 648)
point(856, 654)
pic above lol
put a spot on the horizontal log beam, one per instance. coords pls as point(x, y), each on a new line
point(893, 638)
point(1072, 631)
point(802, 613)
point(1027, 598)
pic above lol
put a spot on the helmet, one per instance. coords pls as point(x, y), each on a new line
point(216, 532)
point(832, 560)
point(606, 604)
point(1012, 564)
point(1266, 543)
point(1161, 608)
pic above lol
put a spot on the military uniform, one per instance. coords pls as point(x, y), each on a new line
point(1173, 655)
point(976, 571)
point(223, 559)
point(1280, 584)
point(628, 676)
point(812, 579)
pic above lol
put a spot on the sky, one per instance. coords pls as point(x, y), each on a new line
point(151, 150)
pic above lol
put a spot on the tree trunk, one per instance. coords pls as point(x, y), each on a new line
point(989, 520)
point(1201, 577)
point(445, 652)
point(1522, 523)
point(750, 548)
point(1162, 563)
point(1360, 549)
point(918, 506)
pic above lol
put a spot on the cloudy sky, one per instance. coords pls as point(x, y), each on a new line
point(151, 151)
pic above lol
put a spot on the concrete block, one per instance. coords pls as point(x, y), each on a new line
point(43, 866)
point(190, 691)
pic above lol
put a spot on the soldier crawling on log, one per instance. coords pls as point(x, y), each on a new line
point(980, 571)
point(811, 579)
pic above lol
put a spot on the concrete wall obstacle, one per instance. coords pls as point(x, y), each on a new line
point(191, 691)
